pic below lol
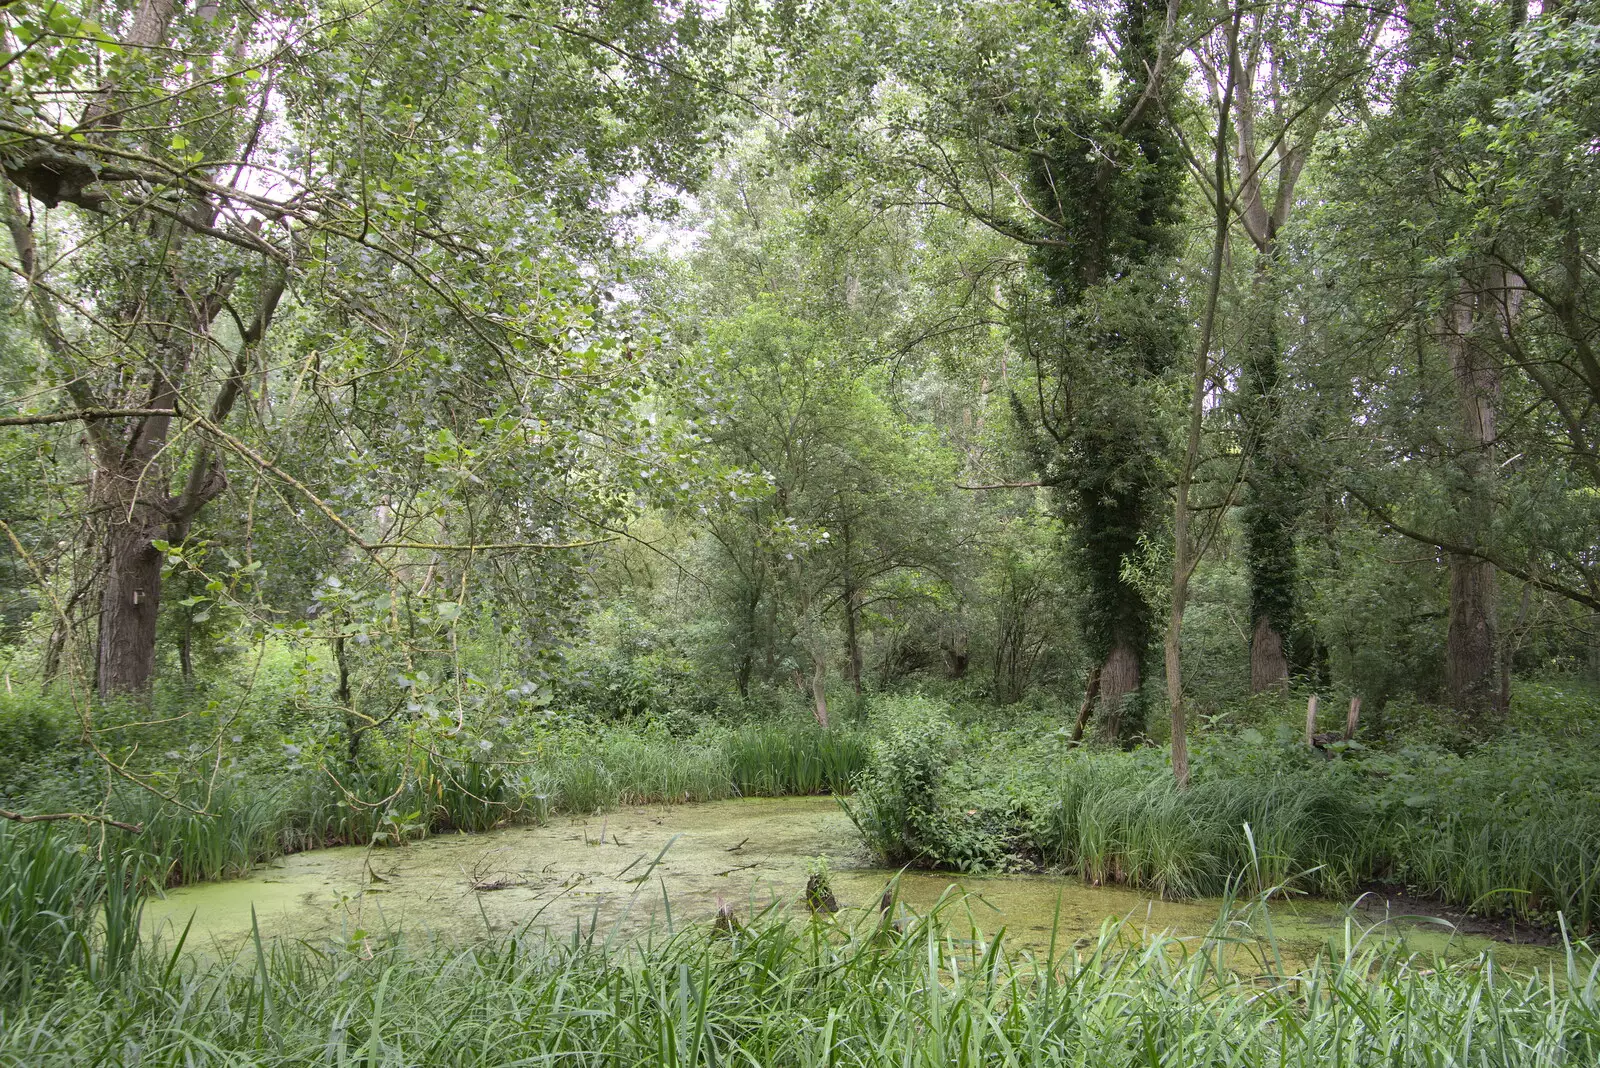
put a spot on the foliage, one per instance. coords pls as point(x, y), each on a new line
point(776, 992)
point(903, 808)
point(63, 910)
point(1507, 829)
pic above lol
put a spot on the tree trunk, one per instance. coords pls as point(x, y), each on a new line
point(1091, 694)
point(741, 675)
point(1269, 661)
point(1119, 689)
point(352, 723)
point(1272, 495)
point(819, 687)
point(1470, 645)
point(129, 604)
point(852, 637)
point(953, 645)
point(1186, 550)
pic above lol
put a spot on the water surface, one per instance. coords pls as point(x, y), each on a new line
point(618, 874)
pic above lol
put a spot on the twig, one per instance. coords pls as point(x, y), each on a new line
point(57, 817)
point(84, 414)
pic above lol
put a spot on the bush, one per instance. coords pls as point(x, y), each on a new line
point(901, 807)
point(34, 728)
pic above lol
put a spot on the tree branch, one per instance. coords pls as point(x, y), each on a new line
point(58, 817)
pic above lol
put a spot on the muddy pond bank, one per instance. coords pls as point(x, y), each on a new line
point(619, 874)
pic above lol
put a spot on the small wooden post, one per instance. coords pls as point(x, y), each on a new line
point(1311, 722)
point(1354, 718)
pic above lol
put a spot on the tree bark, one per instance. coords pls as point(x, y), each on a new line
point(1470, 645)
point(1269, 660)
point(1119, 688)
point(819, 687)
point(180, 299)
point(852, 637)
point(1091, 694)
point(953, 645)
point(130, 602)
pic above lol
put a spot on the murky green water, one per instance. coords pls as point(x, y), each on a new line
point(618, 874)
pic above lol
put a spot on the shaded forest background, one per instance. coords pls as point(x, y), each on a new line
point(405, 376)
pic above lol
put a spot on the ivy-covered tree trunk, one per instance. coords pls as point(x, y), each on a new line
point(1113, 338)
point(1120, 677)
point(1116, 617)
point(1470, 644)
point(1272, 498)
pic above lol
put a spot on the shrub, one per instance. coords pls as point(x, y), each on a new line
point(901, 807)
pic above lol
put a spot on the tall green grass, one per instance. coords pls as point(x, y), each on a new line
point(1112, 821)
point(780, 760)
point(1513, 829)
point(63, 910)
point(1530, 868)
point(206, 831)
point(220, 828)
point(779, 993)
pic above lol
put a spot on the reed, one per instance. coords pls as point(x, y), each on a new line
point(784, 992)
point(784, 759)
point(63, 910)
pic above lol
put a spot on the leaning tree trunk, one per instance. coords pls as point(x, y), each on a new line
point(819, 687)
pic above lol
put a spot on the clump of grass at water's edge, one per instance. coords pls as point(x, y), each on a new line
point(783, 991)
point(221, 823)
point(1510, 828)
point(63, 912)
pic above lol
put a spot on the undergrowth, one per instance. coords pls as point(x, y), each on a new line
point(780, 992)
point(218, 821)
point(1510, 827)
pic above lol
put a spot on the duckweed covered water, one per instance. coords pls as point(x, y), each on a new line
point(620, 874)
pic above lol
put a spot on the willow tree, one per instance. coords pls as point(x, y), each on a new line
point(184, 180)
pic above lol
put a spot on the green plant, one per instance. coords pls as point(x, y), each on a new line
point(926, 992)
point(63, 909)
point(798, 757)
point(901, 807)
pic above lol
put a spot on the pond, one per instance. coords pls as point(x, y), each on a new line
point(618, 874)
